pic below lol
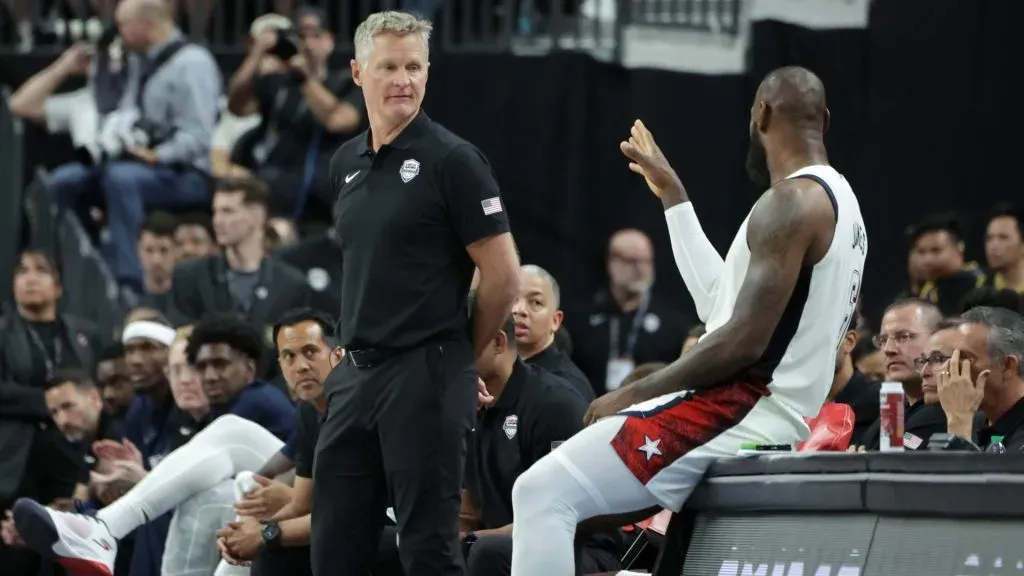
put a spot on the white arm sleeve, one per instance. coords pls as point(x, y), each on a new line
point(699, 263)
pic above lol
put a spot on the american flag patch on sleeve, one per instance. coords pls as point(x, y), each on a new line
point(491, 205)
point(912, 441)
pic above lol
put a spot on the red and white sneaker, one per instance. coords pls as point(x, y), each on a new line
point(81, 544)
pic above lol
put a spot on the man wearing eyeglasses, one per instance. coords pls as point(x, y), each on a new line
point(906, 327)
point(625, 325)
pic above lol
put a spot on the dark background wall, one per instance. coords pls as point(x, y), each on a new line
point(923, 119)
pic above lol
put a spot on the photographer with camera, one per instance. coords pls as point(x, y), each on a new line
point(78, 113)
point(307, 111)
point(153, 150)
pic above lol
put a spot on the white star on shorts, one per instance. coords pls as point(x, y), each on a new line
point(650, 447)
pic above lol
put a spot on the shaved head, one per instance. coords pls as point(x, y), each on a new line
point(795, 94)
point(789, 107)
point(147, 9)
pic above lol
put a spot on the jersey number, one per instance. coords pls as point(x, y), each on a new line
point(851, 306)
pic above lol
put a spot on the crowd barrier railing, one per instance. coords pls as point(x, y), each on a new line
point(928, 514)
point(519, 26)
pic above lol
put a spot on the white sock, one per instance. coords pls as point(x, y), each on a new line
point(227, 446)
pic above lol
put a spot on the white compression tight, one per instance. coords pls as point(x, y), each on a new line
point(226, 447)
point(581, 479)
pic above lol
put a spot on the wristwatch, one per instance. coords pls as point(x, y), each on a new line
point(272, 535)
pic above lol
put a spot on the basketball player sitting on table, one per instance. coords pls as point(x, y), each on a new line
point(775, 308)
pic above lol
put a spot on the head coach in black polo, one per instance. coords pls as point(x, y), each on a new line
point(417, 207)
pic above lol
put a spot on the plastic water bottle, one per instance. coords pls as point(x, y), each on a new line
point(890, 408)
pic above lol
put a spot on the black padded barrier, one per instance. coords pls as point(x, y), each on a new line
point(929, 514)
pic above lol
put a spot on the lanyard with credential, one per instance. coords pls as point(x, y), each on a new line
point(58, 352)
point(634, 330)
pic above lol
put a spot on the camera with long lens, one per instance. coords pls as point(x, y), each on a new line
point(287, 45)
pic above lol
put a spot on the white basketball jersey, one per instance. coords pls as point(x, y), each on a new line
point(800, 360)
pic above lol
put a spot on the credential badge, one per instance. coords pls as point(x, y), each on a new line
point(511, 426)
point(409, 170)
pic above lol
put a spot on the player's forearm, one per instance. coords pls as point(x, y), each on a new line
point(698, 262)
point(719, 355)
point(494, 299)
point(296, 532)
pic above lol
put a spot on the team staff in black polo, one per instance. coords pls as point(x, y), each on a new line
point(533, 410)
point(417, 208)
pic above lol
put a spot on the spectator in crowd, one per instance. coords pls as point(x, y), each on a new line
point(938, 243)
point(158, 254)
point(538, 316)
point(225, 352)
point(986, 372)
point(693, 336)
point(243, 280)
point(867, 358)
point(854, 388)
point(149, 426)
point(115, 384)
point(280, 545)
point(77, 410)
point(79, 113)
point(307, 111)
point(532, 412)
point(194, 236)
point(36, 341)
point(171, 98)
point(625, 324)
point(992, 297)
point(186, 389)
point(906, 326)
point(1004, 248)
point(318, 257)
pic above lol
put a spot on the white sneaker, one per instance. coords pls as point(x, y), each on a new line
point(81, 544)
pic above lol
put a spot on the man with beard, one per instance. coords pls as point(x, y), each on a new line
point(776, 309)
point(77, 409)
point(538, 317)
point(625, 324)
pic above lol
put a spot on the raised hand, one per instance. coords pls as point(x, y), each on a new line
point(647, 160)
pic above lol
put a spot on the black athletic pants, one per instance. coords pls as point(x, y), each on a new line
point(395, 432)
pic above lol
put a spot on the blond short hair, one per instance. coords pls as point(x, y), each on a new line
point(182, 334)
point(389, 22)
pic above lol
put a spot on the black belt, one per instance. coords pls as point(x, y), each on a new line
point(370, 357)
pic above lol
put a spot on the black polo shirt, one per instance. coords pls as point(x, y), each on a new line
point(307, 430)
point(1008, 430)
point(535, 409)
point(555, 361)
point(405, 216)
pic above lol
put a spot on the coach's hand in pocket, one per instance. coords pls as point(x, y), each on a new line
point(263, 502)
point(610, 404)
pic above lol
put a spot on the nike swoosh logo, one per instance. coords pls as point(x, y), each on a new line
point(351, 176)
